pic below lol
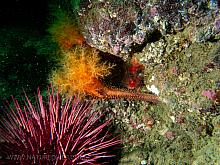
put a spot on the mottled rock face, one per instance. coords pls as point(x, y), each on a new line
point(116, 26)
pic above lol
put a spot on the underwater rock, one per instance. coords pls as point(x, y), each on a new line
point(117, 26)
point(216, 56)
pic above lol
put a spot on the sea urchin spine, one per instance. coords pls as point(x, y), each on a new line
point(54, 132)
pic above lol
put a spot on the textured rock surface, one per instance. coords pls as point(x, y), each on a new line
point(118, 27)
point(182, 66)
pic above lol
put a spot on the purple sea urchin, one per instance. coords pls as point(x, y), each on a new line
point(54, 132)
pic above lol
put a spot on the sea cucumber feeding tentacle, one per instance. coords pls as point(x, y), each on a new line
point(82, 72)
point(119, 93)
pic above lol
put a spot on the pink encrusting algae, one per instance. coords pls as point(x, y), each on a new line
point(55, 132)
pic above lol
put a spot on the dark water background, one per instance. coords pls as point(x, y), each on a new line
point(22, 68)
